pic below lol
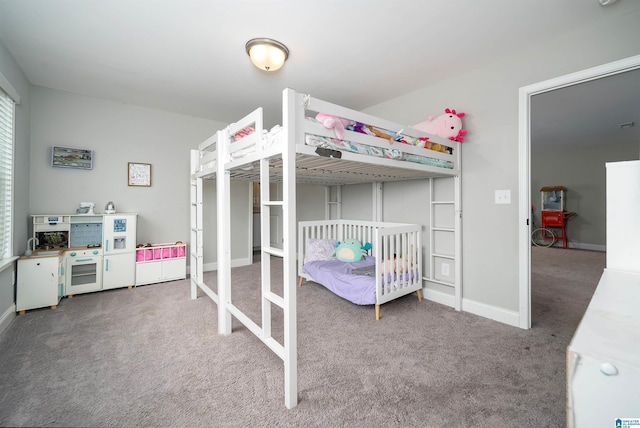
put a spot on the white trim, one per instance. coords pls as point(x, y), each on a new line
point(495, 313)
point(524, 153)
point(7, 317)
point(590, 247)
point(207, 267)
point(9, 89)
point(5, 263)
point(439, 297)
point(458, 237)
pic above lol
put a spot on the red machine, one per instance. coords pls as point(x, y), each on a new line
point(553, 213)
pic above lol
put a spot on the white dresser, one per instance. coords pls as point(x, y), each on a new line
point(603, 358)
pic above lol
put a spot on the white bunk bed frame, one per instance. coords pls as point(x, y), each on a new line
point(289, 161)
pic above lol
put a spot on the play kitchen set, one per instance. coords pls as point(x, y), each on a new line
point(85, 252)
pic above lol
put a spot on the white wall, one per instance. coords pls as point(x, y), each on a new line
point(310, 202)
point(357, 202)
point(489, 96)
point(118, 133)
point(18, 80)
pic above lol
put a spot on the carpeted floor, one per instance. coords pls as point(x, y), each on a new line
point(151, 356)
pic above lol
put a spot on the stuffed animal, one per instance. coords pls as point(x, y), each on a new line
point(394, 265)
point(351, 250)
point(337, 123)
point(447, 125)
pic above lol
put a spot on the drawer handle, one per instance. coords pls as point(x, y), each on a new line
point(608, 369)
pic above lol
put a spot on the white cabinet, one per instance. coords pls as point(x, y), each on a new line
point(119, 246)
point(40, 283)
point(623, 205)
point(160, 271)
point(159, 263)
point(603, 360)
point(119, 270)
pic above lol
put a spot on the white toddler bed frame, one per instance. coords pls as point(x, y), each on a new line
point(287, 159)
point(396, 247)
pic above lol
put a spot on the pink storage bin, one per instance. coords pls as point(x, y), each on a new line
point(161, 251)
point(166, 253)
point(144, 254)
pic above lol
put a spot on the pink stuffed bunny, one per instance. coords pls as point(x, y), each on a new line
point(337, 123)
point(448, 125)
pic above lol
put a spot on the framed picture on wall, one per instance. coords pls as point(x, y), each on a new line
point(139, 174)
point(67, 157)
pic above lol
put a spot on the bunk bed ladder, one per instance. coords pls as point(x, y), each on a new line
point(444, 242)
point(196, 267)
point(268, 206)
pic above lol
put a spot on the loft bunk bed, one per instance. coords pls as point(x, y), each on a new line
point(305, 150)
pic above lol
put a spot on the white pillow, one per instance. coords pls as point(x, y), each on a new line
point(320, 249)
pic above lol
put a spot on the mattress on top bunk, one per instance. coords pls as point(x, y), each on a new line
point(363, 149)
point(313, 140)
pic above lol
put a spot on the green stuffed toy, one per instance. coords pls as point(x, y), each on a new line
point(351, 250)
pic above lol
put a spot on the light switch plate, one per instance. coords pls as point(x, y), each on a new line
point(503, 196)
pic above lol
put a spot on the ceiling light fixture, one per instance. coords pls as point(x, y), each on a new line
point(606, 2)
point(267, 54)
point(626, 125)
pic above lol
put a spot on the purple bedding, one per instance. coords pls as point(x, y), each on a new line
point(337, 277)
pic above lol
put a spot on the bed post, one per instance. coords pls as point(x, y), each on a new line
point(195, 265)
point(290, 113)
point(223, 188)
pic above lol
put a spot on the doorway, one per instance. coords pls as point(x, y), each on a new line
point(525, 197)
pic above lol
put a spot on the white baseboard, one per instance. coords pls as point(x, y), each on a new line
point(492, 312)
point(234, 263)
point(481, 309)
point(581, 246)
point(7, 317)
point(438, 297)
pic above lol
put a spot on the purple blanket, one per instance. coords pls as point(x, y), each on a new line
point(337, 277)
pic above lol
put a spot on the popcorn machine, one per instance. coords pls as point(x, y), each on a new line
point(553, 213)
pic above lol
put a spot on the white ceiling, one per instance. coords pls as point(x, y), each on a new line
point(188, 56)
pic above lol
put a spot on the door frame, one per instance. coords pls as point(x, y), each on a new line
point(524, 167)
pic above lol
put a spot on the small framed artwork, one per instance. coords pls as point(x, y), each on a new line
point(67, 157)
point(139, 174)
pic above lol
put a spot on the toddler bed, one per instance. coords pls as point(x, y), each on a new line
point(391, 268)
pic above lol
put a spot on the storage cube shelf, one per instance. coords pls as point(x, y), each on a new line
point(160, 263)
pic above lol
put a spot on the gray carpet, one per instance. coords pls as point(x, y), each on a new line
point(151, 356)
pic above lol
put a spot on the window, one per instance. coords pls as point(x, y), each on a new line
point(7, 110)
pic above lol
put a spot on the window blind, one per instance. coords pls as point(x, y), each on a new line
point(7, 110)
